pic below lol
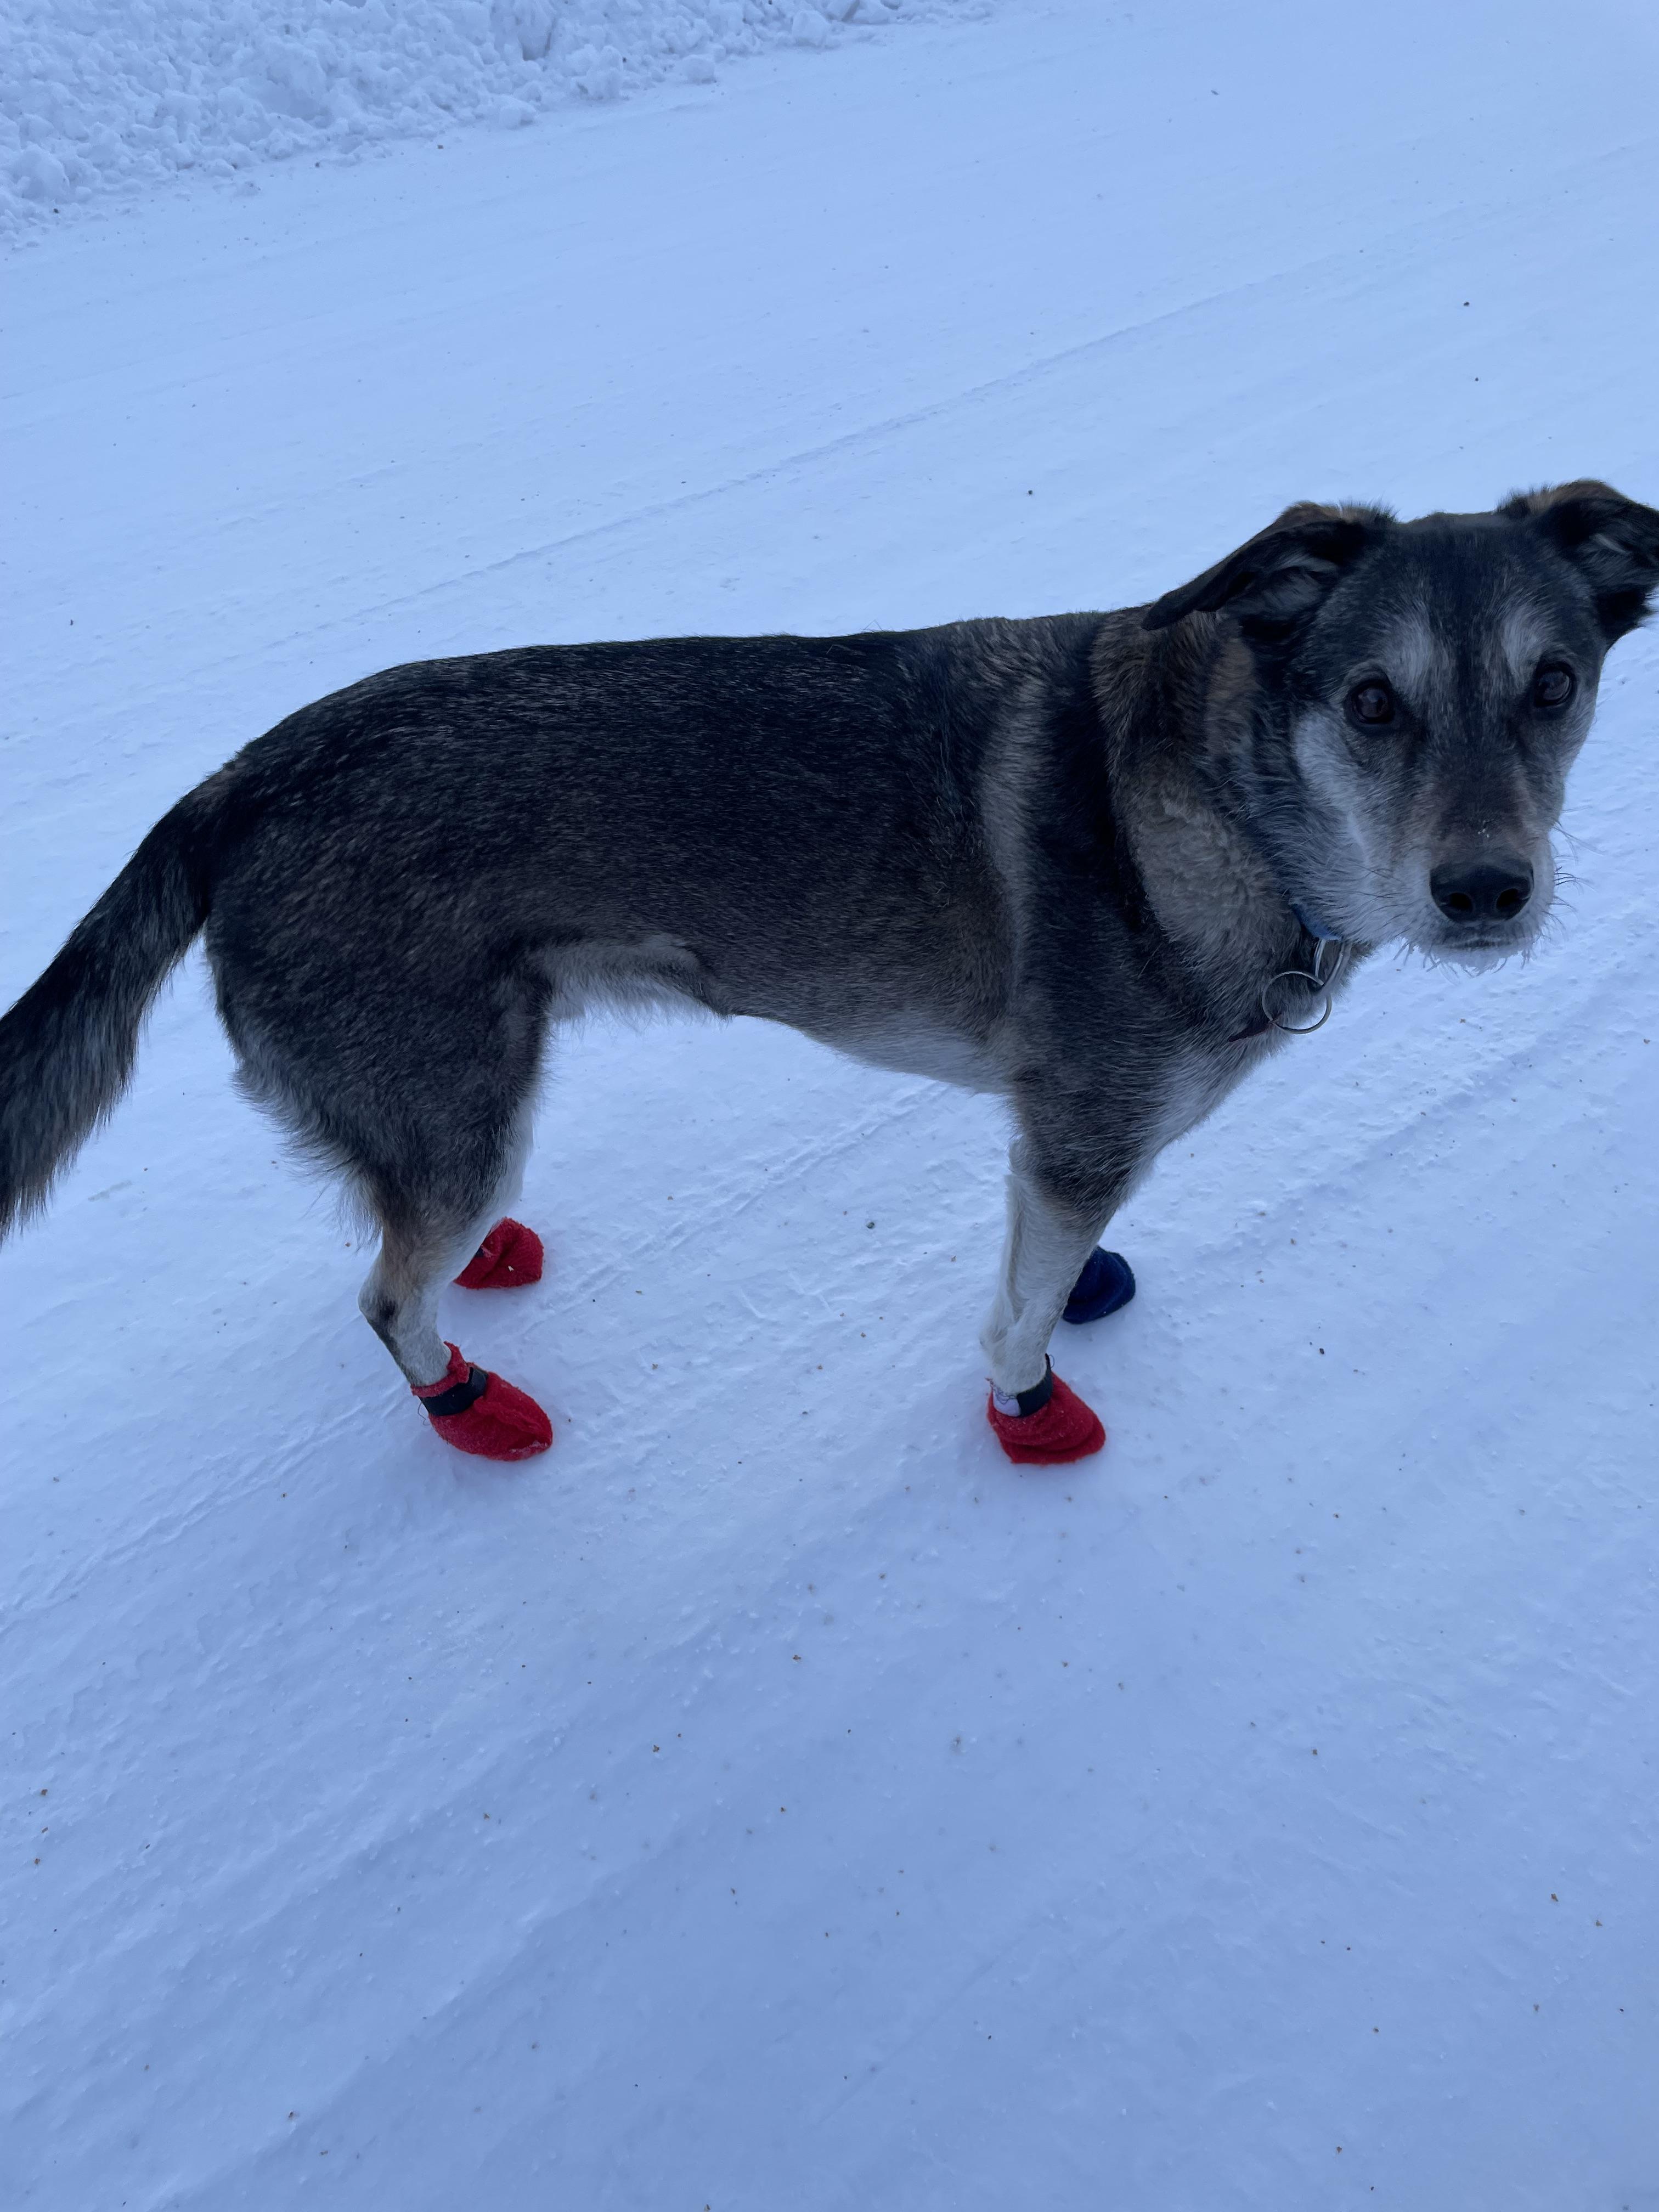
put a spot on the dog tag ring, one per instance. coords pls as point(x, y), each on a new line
point(1322, 983)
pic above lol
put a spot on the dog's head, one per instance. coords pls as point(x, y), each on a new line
point(1402, 702)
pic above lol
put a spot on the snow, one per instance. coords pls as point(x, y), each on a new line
point(771, 1798)
point(98, 96)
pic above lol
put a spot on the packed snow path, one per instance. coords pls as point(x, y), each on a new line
point(771, 1799)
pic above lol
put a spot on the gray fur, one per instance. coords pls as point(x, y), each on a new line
point(1058, 860)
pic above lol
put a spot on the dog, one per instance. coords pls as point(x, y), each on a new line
point(1098, 864)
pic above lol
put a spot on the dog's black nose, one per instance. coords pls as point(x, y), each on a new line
point(1492, 890)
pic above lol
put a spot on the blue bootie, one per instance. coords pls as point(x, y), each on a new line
point(1105, 1283)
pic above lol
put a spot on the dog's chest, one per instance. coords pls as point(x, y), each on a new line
point(1194, 1082)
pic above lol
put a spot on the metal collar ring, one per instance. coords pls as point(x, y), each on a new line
point(1319, 981)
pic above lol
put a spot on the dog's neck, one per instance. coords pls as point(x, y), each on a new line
point(1172, 707)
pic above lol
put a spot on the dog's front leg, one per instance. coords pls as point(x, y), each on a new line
point(1049, 1236)
point(1053, 1224)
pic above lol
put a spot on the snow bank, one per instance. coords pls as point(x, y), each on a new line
point(97, 96)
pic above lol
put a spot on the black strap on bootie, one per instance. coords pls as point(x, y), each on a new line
point(1021, 1402)
point(460, 1396)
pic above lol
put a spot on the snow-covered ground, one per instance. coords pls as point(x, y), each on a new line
point(771, 1799)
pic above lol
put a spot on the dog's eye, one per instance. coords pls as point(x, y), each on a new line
point(1371, 703)
point(1552, 686)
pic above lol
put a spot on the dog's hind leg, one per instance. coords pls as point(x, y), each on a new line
point(475, 1410)
point(399, 1299)
point(428, 1221)
point(421, 1100)
point(378, 1012)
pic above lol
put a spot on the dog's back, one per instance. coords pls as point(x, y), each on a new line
point(787, 827)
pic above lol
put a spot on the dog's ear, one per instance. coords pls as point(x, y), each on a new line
point(1614, 543)
point(1282, 572)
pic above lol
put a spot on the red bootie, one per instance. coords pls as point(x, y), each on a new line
point(1045, 1426)
point(509, 1255)
point(479, 1413)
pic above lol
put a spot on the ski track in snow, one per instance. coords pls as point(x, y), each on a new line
point(770, 1798)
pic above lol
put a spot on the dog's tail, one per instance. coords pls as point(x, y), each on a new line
point(67, 1046)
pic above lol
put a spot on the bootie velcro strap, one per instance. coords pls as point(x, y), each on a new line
point(459, 1386)
point(1016, 1403)
point(460, 1396)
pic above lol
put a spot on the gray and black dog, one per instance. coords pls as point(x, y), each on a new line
point(1094, 863)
